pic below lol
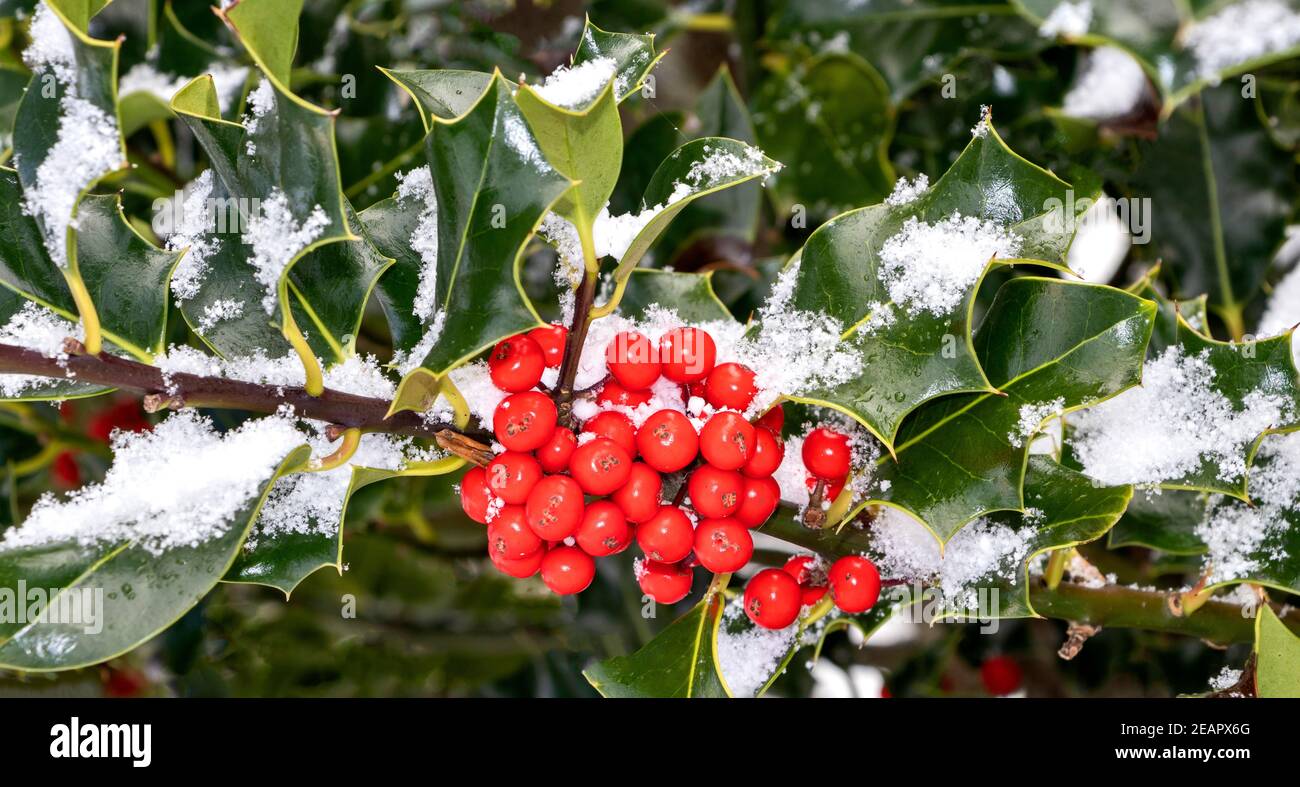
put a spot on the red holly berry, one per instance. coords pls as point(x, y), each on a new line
point(65, 470)
point(524, 421)
point(555, 453)
point(826, 453)
point(726, 440)
point(613, 393)
point(516, 364)
point(604, 530)
point(772, 599)
point(555, 507)
point(715, 492)
point(616, 427)
point(124, 416)
point(1001, 675)
point(666, 583)
point(687, 354)
point(723, 545)
point(766, 455)
point(124, 682)
point(522, 568)
point(509, 535)
point(475, 496)
point(667, 441)
point(854, 583)
point(773, 420)
point(600, 466)
point(667, 536)
point(633, 360)
point(639, 497)
point(730, 385)
point(551, 339)
point(757, 502)
point(567, 570)
point(512, 475)
point(810, 575)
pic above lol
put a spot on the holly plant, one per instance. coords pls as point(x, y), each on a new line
point(744, 363)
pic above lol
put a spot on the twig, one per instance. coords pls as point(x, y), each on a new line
point(577, 337)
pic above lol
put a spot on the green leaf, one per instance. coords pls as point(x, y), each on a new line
point(691, 295)
point(269, 29)
point(634, 56)
point(44, 388)
point(679, 662)
point(441, 93)
point(143, 593)
point(1220, 194)
point(1277, 657)
point(920, 356)
point(1164, 520)
point(1051, 347)
point(830, 122)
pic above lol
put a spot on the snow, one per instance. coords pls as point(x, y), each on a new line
point(572, 87)
point(219, 311)
point(193, 231)
point(481, 395)
point(1033, 415)
point(1240, 33)
point(144, 78)
point(51, 46)
point(1226, 679)
point(416, 186)
point(906, 191)
point(748, 655)
point(1176, 420)
point(228, 80)
point(35, 328)
point(1067, 19)
point(1283, 310)
point(932, 267)
point(1100, 244)
point(357, 375)
point(180, 485)
point(277, 237)
point(260, 102)
point(1110, 85)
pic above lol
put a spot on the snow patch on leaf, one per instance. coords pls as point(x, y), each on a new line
point(931, 267)
point(277, 237)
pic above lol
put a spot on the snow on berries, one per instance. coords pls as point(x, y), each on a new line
point(663, 446)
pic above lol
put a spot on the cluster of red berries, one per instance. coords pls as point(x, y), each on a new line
point(554, 499)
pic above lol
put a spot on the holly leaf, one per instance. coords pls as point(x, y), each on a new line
point(910, 357)
point(1051, 347)
point(633, 54)
point(1277, 651)
point(680, 662)
point(1165, 520)
point(830, 121)
point(141, 593)
point(36, 389)
point(691, 295)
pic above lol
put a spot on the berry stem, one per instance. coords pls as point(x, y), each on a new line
point(563, 393)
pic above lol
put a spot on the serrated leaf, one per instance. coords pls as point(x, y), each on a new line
point(921, 356)
point(678, 663)
point(830, 122)
point(1049, 346)
point(1165, 521)
point(441, 93)
point(691, 295)
point(634, 56)
point(142, 593)
point(269, 30)
point(1277, 657)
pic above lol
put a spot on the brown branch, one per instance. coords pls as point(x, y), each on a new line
point(576, 338)
point(190, 390)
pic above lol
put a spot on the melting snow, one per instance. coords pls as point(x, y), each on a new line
point(1110, 85)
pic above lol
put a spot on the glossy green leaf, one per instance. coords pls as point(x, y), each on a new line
point(830, 122)
point(1277, 657)
point(142, 593)
point(269, 29)
point(44, 388)
point(691, 295)
point(1163, 519)
point(442, 93)
point(633, 54)
point(921, 356)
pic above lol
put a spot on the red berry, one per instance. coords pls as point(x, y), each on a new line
point(773, 420)
point(633, 360)
point(667, 441)
point(555, 507)
point(723, 545)
point(766, 456)
point(667, 536)
point(826, 453)
point(666, 583)
point(475, 496)
point(810, 575)
point(516, 364)
point(65, 470)
point(600, 466)
point(124, 683)
point(687, 354)
point(855, 583)
point(512, 475)
point(551, 339)
point(509, 535)
point(714, 492)
point(613, 393)
point(639, 497)
point(1001, 675)
point(757, 502)
point(521, 568)
point(604, 530)
point(555, 453)
point(726, 440)
point(616, 427)
point(123, 416)
point(772, 599)
point(524, 421)
point(730, 385)
point(567, 570)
